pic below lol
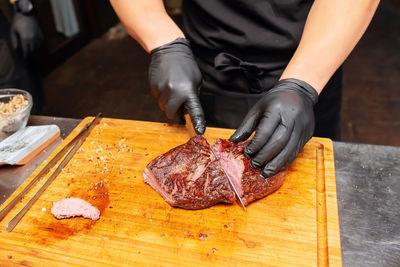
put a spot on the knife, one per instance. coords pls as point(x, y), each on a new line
point(190, 128)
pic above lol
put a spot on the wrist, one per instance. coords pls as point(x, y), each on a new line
point(299, 86)
point(156, 43)
point(179, 44)
point(162, 37)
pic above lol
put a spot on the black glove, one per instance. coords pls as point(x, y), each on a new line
point(284, 121)
point(175, 79)
point(25, 30)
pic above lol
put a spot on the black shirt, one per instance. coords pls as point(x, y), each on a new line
point(259, 31)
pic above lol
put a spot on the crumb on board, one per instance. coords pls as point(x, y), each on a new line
point(250, 244)
point(9, 256)
point(43, 209)
point(203, 236)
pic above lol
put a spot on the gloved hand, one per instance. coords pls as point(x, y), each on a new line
point(284, 121)
point(175, 79)
point(25, 30)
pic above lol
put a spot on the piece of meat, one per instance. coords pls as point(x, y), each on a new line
point(189, 176)
point(247, 180)
point(74, 207)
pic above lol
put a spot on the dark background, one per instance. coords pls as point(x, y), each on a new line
point(95, 72)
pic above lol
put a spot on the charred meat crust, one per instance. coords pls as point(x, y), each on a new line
point(190, 177)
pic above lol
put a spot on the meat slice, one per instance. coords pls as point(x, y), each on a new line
point(247, 180)
point(74, 207)
point(189, 176)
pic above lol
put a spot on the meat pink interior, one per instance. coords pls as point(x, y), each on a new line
point(233, 166)
point(152, 180)
point(73, 207)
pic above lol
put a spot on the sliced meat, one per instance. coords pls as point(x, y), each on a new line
point(189, 176)
point(247, 180)
point(74, 207)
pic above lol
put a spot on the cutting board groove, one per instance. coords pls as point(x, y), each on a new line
point(296, 226)
point(322, 229)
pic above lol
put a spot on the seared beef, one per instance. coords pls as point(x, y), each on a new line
point(189, 176)
point(247, 180)
point(74, 207)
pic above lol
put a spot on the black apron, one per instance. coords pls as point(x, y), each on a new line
point(242, 48)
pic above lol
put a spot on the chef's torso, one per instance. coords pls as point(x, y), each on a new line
point(259, 31)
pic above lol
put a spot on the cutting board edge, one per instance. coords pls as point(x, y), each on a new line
point(331, 205)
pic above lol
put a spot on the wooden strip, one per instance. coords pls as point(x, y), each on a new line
point(322, 229)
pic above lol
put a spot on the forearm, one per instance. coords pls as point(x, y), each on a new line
point(147, 22)
point(332, 30)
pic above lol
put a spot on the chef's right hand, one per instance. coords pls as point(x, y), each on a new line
point(175, 79)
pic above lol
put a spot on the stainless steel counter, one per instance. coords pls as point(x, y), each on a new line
point(368, 186)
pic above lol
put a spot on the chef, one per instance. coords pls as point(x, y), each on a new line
point(272, 67)
point(19, 42)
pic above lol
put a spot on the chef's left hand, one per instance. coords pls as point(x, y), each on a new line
point(283, 121)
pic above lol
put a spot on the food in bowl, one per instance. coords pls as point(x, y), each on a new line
point(15, 107)
point(16, 103)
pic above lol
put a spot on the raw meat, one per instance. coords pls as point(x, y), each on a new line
point(189, 176)
point(74, 207)
point(247, 180)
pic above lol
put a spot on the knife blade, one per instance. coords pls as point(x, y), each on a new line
point(190, 128)
point(229, 179)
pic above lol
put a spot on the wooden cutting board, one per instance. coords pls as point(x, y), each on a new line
point(296, 226)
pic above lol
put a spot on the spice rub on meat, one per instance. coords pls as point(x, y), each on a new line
point(190, 177)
